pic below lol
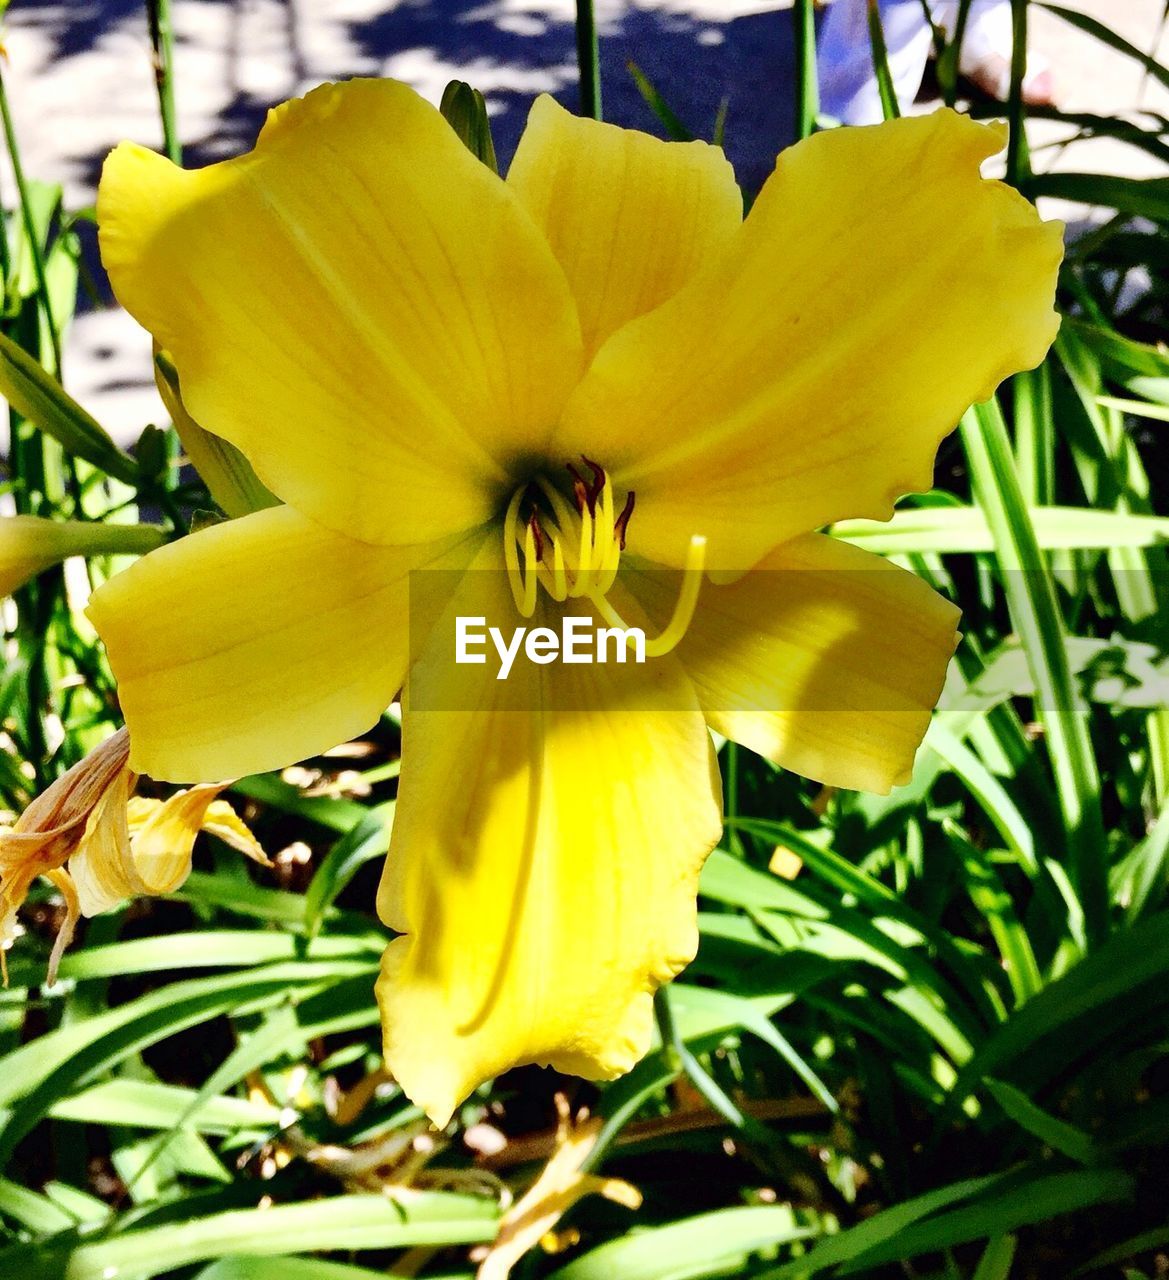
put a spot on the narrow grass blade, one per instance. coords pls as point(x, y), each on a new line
point(1035, 612)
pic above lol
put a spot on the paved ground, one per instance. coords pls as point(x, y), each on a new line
point(80, 80)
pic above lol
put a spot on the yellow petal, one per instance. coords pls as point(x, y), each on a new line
point(162, 836)
point(136, 846)
point(255, 643)
point(358, 304)
point(878, 288)
point(630, 218)
point(824, 658)
point(543, 864)
point(222, 822)
point(102, 867)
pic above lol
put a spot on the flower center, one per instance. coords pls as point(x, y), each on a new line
point(572, 548)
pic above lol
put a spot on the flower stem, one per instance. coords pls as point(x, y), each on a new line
point(34, 245)
point(1017, 161)
point(162, 41)
point(588, 59)
point(807, 84)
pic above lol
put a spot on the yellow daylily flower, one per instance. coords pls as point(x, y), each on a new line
point(101, 844)
point(410, 351)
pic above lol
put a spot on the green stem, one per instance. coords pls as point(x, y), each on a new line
point(1017, 162)
point(171, 508)
point(807, 82)
point(588, 59)
point(951, 56)
point(38, 258)
point(5, 254)
point(890, 108)
point(162, 41)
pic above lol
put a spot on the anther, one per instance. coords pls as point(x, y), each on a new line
point(580, 490)
point(577, 554)
point(537, 535)
point(622, 521)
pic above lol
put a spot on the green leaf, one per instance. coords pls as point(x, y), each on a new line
point(37, 1075)
point(1056, 1133)
point(706, 1245)
point(344, 1222)
point(38, 1212)
point(1157, 1238)
point(362, 843)
point(285, 1269)
point(1035, 612)
point(1123, 983)
point(40, 398)
point(145, 1104)
point(995, 1263)
point(1146, 196)
point(953, 530)
point(889, 1224)
point(1028, 1200)
point(228, 475)
point(675, 129)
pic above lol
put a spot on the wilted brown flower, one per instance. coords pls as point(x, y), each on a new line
point(100, 844)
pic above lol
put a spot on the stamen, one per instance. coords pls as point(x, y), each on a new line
point(537, 534)
point(622, 521)
point(600, 480)
point(531, 567)
point(580, 490)
point(584, 565)
point(585, 546)
point(559, 577)
point(522, 583)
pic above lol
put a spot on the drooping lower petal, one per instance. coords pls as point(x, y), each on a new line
point(629, 217)
point(255, 643)
point(358, 304)
point(138, 845)
point(877, 289)
point(543, 863)
point(824, 658)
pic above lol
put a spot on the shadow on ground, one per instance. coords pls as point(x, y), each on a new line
point(693, 63)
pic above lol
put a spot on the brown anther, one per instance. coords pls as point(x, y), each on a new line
point(537, 535)
point(598, 477)
point(622, 521)
point(580, 490)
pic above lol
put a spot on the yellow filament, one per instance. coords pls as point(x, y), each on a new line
point(589, 568)
point(531, 565)
point(584, 566)
point(559, 577)
point(523, 584)
point(560, 507)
